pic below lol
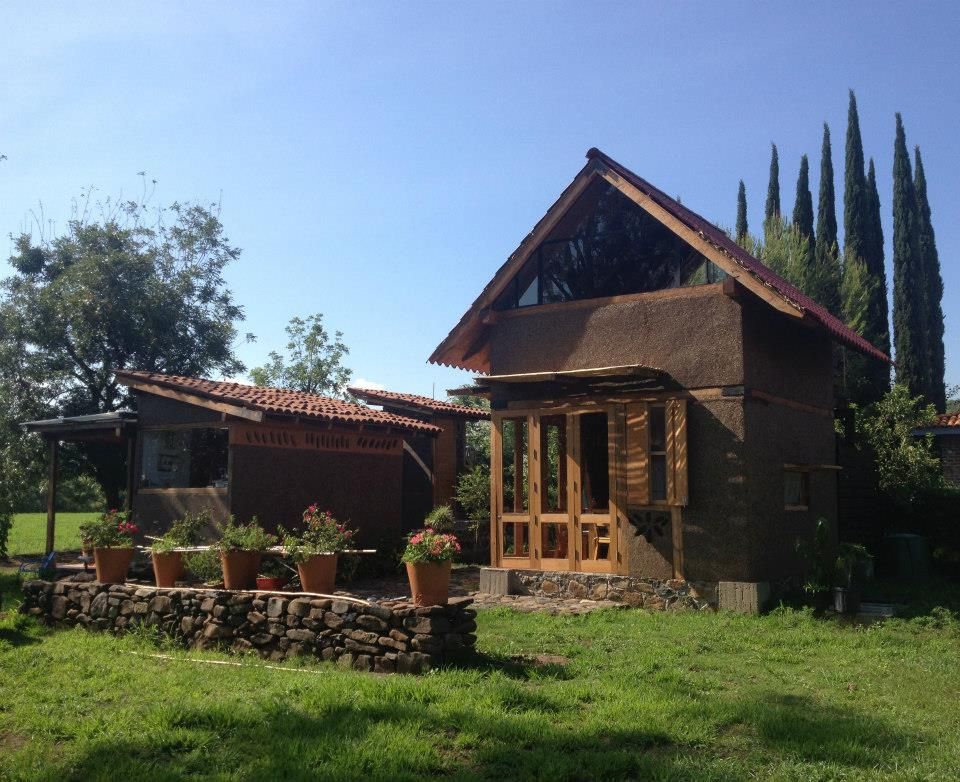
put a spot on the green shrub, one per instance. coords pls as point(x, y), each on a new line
point(440, 519)
point(244, 537)
point(204, 566)
point(184, 532)
point(473, 492)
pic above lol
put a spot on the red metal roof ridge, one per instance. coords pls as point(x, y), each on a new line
point(300, 403)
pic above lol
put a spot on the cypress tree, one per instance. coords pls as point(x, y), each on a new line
point(908, 277)
point(826, 254)
point(933, 289)
point(803, 205)
point(741, 212)
point(773, 188)
point(877, 328)
point(854, 189)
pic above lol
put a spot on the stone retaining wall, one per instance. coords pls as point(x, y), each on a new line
point(653, 594)
point(386, 637)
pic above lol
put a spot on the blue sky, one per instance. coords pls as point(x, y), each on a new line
point(377, 162)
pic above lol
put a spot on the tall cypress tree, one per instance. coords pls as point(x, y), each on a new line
point(877, 328)
point(803, 205)
point(854, 186)
point(908, 277)
point(741, 212)
point(933, 289)
point(773, 188)
point(826, 254)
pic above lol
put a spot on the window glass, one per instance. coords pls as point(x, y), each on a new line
point(796, 488)
point(554, 540)
point(553, 458)
point(515, 540)
point(184, 458)
point(658, 453)
point(605, 246)
point(514, 447)
point(594, 472)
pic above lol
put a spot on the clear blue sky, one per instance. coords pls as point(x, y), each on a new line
point(379, 161)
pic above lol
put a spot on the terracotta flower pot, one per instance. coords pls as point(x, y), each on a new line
point(429, 582)
point(318, 573)
point(167, 568)
point(240, 568)
point(112, 564)
point(271, 584)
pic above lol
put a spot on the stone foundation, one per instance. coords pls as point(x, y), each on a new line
point(385, 637)
point(653, 594)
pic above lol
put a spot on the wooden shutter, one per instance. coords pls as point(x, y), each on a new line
point(677, 487)
point(638, 458)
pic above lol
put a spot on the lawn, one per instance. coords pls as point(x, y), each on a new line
point(648, 696)
point(28, 535)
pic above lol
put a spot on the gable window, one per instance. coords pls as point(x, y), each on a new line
point(796, 489)
point(606, 246)
point(189, 458)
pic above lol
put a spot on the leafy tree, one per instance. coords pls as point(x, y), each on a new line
point(473, 492)
point(741, 211)
point(933, 289)
point(854, 187)
point(909, 295)
point(907, 466)
point(313, 364)
point(786, 251)
point(772, 208)
point(803, 205)
point(858, 294)
point(114, 292)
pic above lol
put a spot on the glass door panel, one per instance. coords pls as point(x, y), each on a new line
point(515, 526)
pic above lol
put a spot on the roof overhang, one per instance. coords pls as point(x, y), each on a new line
point(99, 427)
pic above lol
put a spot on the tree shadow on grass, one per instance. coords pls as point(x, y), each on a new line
point(13, 636)
point(513, 667)
point(798, 727)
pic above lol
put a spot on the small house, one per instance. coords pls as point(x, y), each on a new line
point(662, 402)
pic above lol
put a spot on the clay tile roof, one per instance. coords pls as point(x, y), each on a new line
point(948, 419)
point(833, 325)
point(276, 401)
point(421, 403)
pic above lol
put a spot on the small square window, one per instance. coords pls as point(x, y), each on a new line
point(796, 489)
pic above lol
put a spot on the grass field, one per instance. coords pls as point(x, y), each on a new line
point(644, 696)
point(28, 535)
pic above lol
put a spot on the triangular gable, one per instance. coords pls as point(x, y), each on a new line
point(466, 345)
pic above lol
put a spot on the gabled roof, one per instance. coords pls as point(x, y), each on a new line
point(255, 402)
point(464, 346)
point(419, 403)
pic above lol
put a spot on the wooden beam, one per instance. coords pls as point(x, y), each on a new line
point(131, 471)
point(195, 399)
point(622, 370)
point(52, 493)
point(704, 247)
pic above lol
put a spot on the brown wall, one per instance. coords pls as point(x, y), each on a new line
point(277, 484)
point(155, 510)
point(694, 334)
point(949, 447)
point(157, 411)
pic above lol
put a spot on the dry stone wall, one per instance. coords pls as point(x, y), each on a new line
point(652, 594)
point(385, 637)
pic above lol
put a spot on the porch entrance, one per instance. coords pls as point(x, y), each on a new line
point(566, 485)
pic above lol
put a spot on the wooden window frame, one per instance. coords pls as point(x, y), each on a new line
point(804, 473)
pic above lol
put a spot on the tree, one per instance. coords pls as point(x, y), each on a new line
point(114, 293)
point(772, 208)
point(786, 251)
point(933, 289)
point(826, 258)
point(854, 187)
point(741, 211)
point(803, 205)
point(314, 361)
point(877, 329)
point(909, 296)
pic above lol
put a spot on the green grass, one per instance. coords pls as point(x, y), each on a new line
point(644, 696)
point(28, 535)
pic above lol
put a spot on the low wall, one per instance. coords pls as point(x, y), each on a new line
point(649, 593)
point(386, 637)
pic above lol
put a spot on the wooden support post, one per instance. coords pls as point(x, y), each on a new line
point(131, 471)
point(52, 493)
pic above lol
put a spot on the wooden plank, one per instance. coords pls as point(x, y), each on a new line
point(763, 396)
point(534, 486)
point(52, 478)
point(705, 248)
point(677, 451)
point(622, 370)
point(314, 439)
point(612, 497)
point(573, 489)
point(496, 487)
point(637, 469)
point(131, 471)
point(196, 400)
point(676, 525)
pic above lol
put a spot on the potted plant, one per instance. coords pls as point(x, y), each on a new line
point(168, 563)
point(853, 567)
point(315, 549)
point(241, 547)
point(428, 557)
point(111, 537)
point(272, 577)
